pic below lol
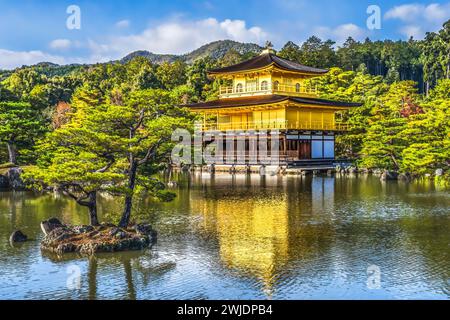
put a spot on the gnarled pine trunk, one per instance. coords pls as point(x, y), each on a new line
point(93, 218)
point(125, 220)
point(12, 153)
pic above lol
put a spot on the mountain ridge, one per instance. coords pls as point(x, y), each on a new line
point(215, 50)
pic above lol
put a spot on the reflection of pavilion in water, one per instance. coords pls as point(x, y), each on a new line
point(254, 225)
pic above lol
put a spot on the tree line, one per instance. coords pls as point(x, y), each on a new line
point(424, 62)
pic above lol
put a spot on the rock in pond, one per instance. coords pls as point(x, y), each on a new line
point(89, 240)
point(352, 170)
point(146, 230)
point(18, 236)
point(83, 229)
point(404, 177)
point(15, 180)
point(4, 182)
point(51, 224)
point(389, 175)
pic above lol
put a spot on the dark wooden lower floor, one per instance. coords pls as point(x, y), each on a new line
point(290, 148)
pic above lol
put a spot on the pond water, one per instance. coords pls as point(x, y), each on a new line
point(247, 237)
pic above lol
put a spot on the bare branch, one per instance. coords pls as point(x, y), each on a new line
point(105, 168)
point(79, 200)
point(150, 152)
point(140, 120)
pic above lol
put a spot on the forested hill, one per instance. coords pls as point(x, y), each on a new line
point(215, 50)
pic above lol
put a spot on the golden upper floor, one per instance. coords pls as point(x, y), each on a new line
point(267, 74)
point(269, 92)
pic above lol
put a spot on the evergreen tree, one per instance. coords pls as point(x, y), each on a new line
point(20, 124)
point(384, 142)
point(171, 75)
point(428, 134)
point(290, 51)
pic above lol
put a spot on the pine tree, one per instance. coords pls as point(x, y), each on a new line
point(384, 142)
point(20, 124)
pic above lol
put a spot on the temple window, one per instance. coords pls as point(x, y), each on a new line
point(297, 87)
point(264, 86)
point(276, 85)
point(239, 87)
point(251, 85)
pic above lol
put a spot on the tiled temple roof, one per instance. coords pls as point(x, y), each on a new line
point(266, 60)
point(267, 99)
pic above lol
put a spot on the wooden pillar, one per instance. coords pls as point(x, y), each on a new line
point(310, 120)
point(204, 120)
point(323, 121)
point(217, 121)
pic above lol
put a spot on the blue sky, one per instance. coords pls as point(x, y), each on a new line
point(35, 31)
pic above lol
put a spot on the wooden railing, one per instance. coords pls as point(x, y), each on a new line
point(280, 124)
point(228, 92)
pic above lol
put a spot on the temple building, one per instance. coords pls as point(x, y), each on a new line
point(268, 93)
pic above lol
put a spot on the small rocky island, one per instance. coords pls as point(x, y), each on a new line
point(10, 179)
point(87, 240)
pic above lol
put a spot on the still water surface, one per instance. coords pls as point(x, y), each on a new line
point(247, 237)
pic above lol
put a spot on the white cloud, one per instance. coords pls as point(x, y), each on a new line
point(178, 37)
point(406, 12)
point(12, 59)
point(412, 31)
point(171, 37)
point(341, 32)
point(123, 24)
point(348, 30)
point(61, 44)
point(419, 18)
point(437, 13)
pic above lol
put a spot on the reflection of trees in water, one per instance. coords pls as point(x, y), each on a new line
point(92, 278)
point(136, 269)
point(272, 228)
point(430, 236)
point(259, 225)
point(131, 292)
point(94, 269)
point(29, 209)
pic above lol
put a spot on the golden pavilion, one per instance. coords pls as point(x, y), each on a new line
point(270, 93)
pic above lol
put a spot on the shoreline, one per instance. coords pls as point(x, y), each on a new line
point(342, 171)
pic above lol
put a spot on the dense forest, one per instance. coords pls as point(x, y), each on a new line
point(404, 86)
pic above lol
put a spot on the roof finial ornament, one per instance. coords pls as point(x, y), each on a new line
point(268, 48)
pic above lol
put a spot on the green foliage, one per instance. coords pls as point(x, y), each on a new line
point(435, 56)
point(171, 75)
point(384, 141)
point(104, 147)
point(197, 76)
point(429, 134)
point(381, 134)
point(20, 125)
point(313, 52)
